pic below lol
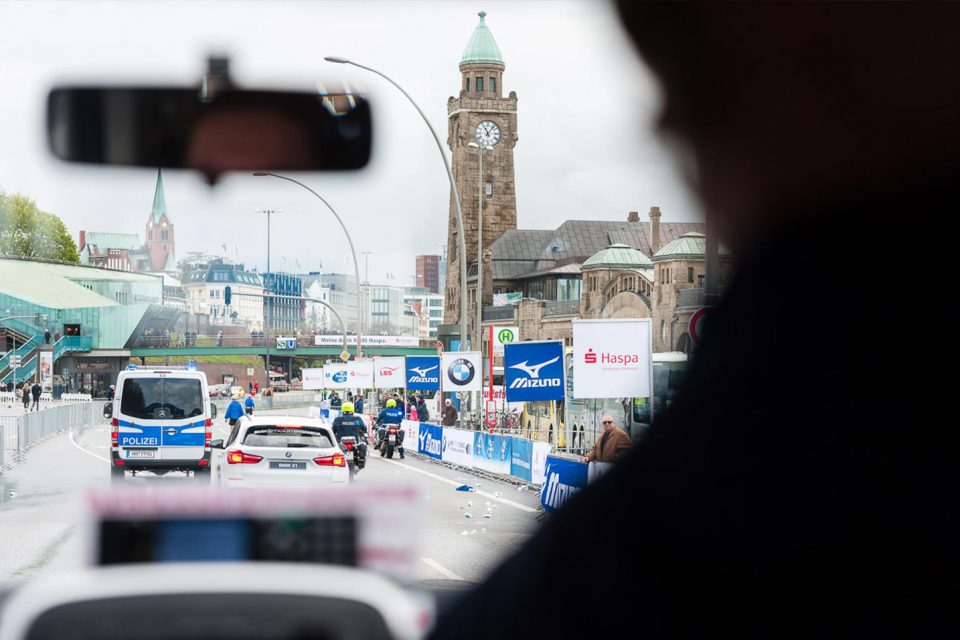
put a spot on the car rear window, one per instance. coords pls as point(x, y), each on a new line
point(279, 436)
point(161, 398)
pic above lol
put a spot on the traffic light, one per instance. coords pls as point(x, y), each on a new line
point(227, 296)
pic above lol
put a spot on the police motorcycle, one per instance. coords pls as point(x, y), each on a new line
point(355, 447)
point(389, 437)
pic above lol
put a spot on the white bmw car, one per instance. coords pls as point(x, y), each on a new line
point(279, 450)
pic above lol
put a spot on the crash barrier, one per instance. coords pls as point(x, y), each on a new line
point(76, 397)
point(509, 456)
point(22, 432)
point(565, 476)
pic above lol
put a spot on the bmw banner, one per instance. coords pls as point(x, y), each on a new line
point(492, 453)
point(534, 371)
point(423, 373)
point(564, 478)
point(461, 371)
point(430, 441)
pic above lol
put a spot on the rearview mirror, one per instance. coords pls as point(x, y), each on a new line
point(108, 410)
point(216, 444)
point(231, 130)
point(213, 410)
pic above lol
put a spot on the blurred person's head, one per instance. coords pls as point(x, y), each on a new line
point(780, 108)
point(608, 423)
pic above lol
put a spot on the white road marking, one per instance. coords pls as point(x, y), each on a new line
point(86, 451)
point(442, 570)
point(510, 503)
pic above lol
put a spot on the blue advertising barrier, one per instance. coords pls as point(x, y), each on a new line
point(492, 453)
point(563, 479)
point(430, 441)
point(521, 460)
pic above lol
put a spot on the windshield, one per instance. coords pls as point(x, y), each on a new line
point(161, 398)
point(281, 298)
point(288, 437)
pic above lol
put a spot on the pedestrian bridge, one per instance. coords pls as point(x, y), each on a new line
point(193, 345)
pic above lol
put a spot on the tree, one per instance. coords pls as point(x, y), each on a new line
point(28, 232)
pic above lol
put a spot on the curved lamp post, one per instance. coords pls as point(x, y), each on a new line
point(356, 264)
point(453, 188)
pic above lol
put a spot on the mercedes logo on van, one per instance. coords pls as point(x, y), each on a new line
point(161, 413)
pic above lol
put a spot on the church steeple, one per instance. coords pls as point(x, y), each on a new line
point(159, 200)
point(160, 243)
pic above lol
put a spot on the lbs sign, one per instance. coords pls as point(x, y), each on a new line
point(534, 371)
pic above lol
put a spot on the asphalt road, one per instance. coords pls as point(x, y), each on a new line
point(40, 511)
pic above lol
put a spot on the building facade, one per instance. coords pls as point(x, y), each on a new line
point(205, 293)
point(428, 273)
point(282, 314)
point(429, 307)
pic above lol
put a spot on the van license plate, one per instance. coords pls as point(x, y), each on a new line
point(288, 465)
point(140, 453)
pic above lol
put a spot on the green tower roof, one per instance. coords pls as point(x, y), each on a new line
point(482, 48)
point(617, 256)
point(159, 201)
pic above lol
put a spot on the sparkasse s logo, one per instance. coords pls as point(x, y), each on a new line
point(590, 357)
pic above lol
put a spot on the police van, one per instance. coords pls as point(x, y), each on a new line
point(161, 421)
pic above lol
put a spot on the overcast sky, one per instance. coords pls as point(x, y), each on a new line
point(585, 149)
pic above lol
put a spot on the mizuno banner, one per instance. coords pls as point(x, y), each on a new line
point(389, 373)
point(534, 371)
point(461, 371)
point(423, 373)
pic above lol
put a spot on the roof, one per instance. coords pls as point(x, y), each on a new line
point(571, 268)
point(171, 263)
point(103, 241)
point(521, 252)
point(618, 256)
point(482, 48)
point(159, 201)
point(690, 245)
point(56, 285)
point(221, 275)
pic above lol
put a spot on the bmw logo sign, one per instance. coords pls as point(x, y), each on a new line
point(289, 454)
point(460, 372)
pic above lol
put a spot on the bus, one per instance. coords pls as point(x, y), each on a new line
point(574, 424)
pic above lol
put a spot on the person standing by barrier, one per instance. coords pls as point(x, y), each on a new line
point(450, 415)
point(359, 403)
point(613, 444)
point(111, 392)
point(36, 390)
point(248, 404)
point(422, 411)
point(25, 396)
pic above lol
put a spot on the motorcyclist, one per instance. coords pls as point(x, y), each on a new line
point(349, 423)
point(392, 414)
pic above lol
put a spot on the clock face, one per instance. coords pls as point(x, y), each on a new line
point(488, 133)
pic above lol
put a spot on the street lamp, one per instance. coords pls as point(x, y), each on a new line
point(453, 188)
point(270, 311)
point(356, 264)
point(480, 149)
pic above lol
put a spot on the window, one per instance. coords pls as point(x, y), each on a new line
point(488, 188)
point(466, 84)
point(479, 84)
point(700, 281)
point(493, 84)
point(689, 274)
point(163, 234)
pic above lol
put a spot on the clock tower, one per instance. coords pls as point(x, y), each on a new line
point(480, 115)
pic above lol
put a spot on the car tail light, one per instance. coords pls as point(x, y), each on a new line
point(118, 462)
point(336, 460)
point(208, 423)
point(203, 462)
point(239, 457)
point(114, 423)
point(115, 437)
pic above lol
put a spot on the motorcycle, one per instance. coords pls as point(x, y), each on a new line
point(356, 445)
point(389, 437)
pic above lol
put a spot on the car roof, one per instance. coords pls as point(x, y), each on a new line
point(269, 421)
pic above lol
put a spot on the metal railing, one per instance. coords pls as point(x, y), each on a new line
point(20, 433)
point(498, 313)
